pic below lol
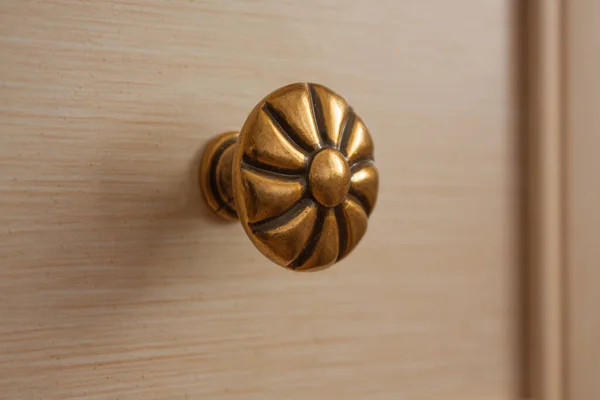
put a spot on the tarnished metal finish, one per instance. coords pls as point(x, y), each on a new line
point(302, 177)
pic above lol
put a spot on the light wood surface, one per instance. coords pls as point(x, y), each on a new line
point(583, 219)
point(116, 283)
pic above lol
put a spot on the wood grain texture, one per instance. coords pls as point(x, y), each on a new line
point(116, 283)
point(583, 220)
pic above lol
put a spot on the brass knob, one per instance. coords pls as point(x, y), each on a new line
point(299, 176)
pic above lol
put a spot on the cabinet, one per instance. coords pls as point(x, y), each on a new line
point(116, 282)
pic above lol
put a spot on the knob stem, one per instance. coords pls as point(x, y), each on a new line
point(215, 175)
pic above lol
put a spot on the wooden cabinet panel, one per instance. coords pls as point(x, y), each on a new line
point(115, 282)
point(583, 223)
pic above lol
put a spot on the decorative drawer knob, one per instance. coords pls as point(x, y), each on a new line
point(299, 176)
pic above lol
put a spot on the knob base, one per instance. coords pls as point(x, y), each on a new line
point(215, 175)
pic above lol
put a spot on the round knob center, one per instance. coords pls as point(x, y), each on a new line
point(329, 177)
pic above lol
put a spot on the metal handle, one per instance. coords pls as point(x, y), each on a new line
point(299, 176)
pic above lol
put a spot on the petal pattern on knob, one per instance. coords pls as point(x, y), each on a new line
point(353, 225)
point(295, 99)
point(271, 147)
point(286, 236)
point(279, 206)
point(365, 184)
point(326, 247)
point(358, 144)
point(275, 194)
point(330, 111)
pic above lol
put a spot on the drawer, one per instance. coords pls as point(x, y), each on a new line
point(117, 281)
